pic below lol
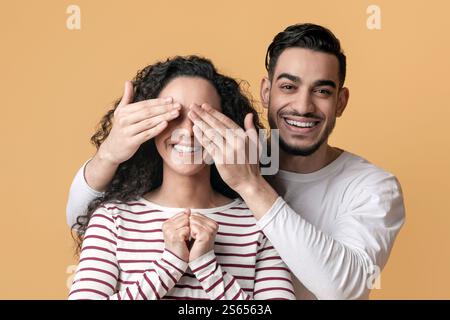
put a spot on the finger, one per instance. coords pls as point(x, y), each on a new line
point(146, 112)
point(255, 146)
point(211, 152)
point(199, 115)
point(152, 122)
point(198, 229)
point(180, 222)
point(224, 138)
point(183, 214)
point(205, 133)
point(248, 122)
point(217, 146)
point(149, 104)
point(128, 94)
point(250, 128)
point(207, 223)
point(179, 214)
point(220, 116)
point(184, 233)
point(203, 220)
point(193, 231)
point(144, 109)
point(150, 133)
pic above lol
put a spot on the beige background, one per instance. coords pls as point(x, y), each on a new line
point(56, 83)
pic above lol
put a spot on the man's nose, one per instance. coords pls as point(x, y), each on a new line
point(303, 102)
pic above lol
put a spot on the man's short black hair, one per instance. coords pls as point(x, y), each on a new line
point(308, 36)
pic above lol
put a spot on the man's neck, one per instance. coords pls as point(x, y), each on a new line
point(179, 191)
point(308, 164)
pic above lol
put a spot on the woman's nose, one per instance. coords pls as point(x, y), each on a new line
point(185, 122)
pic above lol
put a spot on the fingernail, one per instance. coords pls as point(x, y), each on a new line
point(206, 107)
point(192, 114)
point(174, 112)
point(168, 99)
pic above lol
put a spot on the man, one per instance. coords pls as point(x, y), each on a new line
point(332, 216)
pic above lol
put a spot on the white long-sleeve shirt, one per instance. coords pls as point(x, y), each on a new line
point(334, 228)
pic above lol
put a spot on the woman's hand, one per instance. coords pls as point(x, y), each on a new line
point(203, 231)
point(176, 233)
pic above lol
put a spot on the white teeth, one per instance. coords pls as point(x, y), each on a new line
point(186, 149)
point(301, 124)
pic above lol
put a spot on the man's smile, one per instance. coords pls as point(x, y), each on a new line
point(301, 124)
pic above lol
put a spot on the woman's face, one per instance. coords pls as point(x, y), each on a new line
point(176, 144)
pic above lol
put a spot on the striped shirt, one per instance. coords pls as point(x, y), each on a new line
point(123, 257)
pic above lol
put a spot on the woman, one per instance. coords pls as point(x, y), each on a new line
point(140, 242)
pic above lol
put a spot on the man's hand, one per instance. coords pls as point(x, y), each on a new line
point(223, 139)
point(133, 124)
point(228, 144)
point(176, 233)
point(136, 123)
point(203, 231)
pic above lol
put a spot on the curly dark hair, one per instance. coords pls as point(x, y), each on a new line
point(143, 171)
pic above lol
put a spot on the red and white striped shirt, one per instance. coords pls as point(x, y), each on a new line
point(123, 257)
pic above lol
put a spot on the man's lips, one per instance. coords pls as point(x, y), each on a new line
point(302, 125)
point(300, 119)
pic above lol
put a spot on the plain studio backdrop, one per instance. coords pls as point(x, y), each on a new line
point(58, 80)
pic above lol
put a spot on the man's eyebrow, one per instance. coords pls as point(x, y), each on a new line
point(297, 79)
point(330, 83)
point(289, 76)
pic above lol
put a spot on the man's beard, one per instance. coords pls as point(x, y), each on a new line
point(302, 151)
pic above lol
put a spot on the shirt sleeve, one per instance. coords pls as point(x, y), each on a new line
point(80, 195)
point(98, 272)
point(272, 279)
point(340, 263)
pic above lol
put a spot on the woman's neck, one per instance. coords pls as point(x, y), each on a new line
point(179, 191)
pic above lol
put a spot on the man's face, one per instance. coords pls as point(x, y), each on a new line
point(303, 99)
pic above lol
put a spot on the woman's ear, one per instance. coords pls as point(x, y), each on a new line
point(265, 92)
point(343, 97)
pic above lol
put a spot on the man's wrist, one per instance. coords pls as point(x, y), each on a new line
point(99, 172)
point(259, 195)
point(252, 186)
point(104, 159)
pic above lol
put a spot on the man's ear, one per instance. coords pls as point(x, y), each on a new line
point(343, 97)
point(265, 92)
